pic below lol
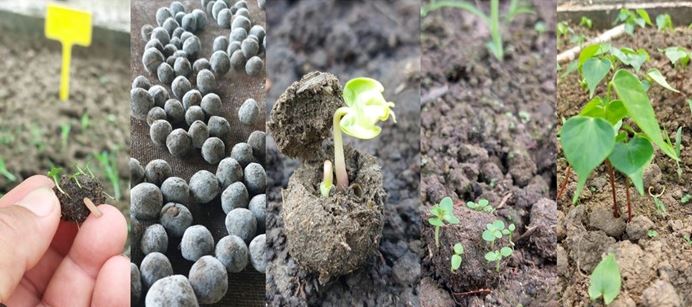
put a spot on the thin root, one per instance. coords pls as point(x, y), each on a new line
point(90, 204)
point(659, 194)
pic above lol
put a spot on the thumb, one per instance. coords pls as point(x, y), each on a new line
point(26, 230)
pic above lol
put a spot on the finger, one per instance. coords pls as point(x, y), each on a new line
point(98, 240)
point(113, 283)
point(26, 229)
point(32, 183)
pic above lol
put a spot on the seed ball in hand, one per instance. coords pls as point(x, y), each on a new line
point(175, 218)
point(179, 143)
point(176, 190)
point(209, 280)
point(175, 111)
point(237, 35)
point(136, 171)
point(249, 112)
point(192, 98)
point(232, 47)
point(238, 60)
point(255, 178)
point(154, 239)
point(199, 65)
point(206, 82)
point(204, 186)
point(151, 59)
point(199, 133)
point(171, 291)
point(154, 267)
point(165, 73)
point(211, 104)
point(156, 113)
point(241, 22)
point(218, 6)
point(157, 171)
point(258, 31)
point(242, 12)
point(228, 172)
point(141, 82)
point(196, 242)
point(220, 63)
point(242, 152)
point(213, 150)
point(145, 201)
point(194, 113)
point(135, 283)
point(182, 67)
point(250, 47)
point(257, 141)
point(145, 31)
point(220, 43)
point(159, 131)
point(254, 66)
point(177, 7)
point(257, 253)
point(241, 222)
point(233, 253)
point(190, 22)
point(140, 103)
point(180, 86)
point(258, 206)
point(201, 18)
point(219, 127)
point(162, 14)
point(234, 196)
point(192, 46)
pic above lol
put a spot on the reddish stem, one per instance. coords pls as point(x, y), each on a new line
point(629, 207)
point(565, 180)
point(616, 210)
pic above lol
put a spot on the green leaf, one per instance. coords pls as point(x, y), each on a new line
point(451, 219)
point(488, 235)
point(591, 51)
point(366, 107)
point(458, 248)
point(615, 111)
point(677, 55)
point(678, 141)
point(505, 251)
point(631, 158)
point(663, 21)
point(456, 262)
point(435, 222)
point(593, 71)
point(492, 256)
point(586, 142)
point(630, 57)
point(645, 16)
point(632, 94)
point(483, 202)
point(656, 75)
point(605, 280)
point(498, 224)
point(447, 205)
point(511, 227)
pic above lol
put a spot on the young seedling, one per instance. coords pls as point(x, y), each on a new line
point(687, 239)
point(605, 280)
point(441, 213)
point(563, 28)
point(54, 174)
point(494, 232)
point(664, 22)
point(660, 206)
point(456, 258)
point(516, 7)
point(84, 121)
point(685, 199)
point(327, 184)
point(65, 129)
point(586, 22)
point(482, 206)
point(6, 173)
point(678, 56)
point(633, 19)
point(652, 233)
point(111, 171)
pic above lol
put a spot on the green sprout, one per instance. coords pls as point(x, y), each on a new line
point(660, 205)
point(65, 129)
point(441, 213)
point(652, 233)
point(6, 173)
point(685, 198)
point(678, 150)
point(84, 121)
point(327, 184)
point(456, 258)
point(516, 7)
point(54, 174)
point(493, 233)
point(678, 56)
point(664, 22)
point(633, 19)
point(687, 239)
point(110, 170)
point(562, 28)
point(605, 280)
point(586, 22)
point(482, 206)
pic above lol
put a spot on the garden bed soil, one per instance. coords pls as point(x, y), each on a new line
point(655, 271)
point(377, 39)
point(488, 132)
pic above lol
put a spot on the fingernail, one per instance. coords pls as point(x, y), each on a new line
point(41, 201)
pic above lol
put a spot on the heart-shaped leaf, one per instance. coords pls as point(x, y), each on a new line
point(631, 158)
point(505, 251)
point(456, 262)
point(656, 75)
point(593, 71)
point(677, 55)
point(605, 280)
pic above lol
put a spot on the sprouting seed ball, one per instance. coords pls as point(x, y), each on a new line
point(242, 223)
point(242, 152)
point(211, 104)
point(175, 218)
point(141, 82)
point(175, 190)
point(157, 171)
point(190, 22)
point(249, 112)
point(180, 86)
point(160, 95)
point(145, 31)
point(171, 291)
point(254, 66)
point(201, 18)
point(220, 63)
point(140, 102)
point(199, 65)
point(197, 241)
point(204, 186)
point(258, 31)
point(209, 280)
point(154, 267)
point(237, 35)
point(250, 47)
point(162, 14)
point(218, 6)
point(179, 143)
point(156, 113)
point(195, 113)
point(233, 253)
point(136, 171)
point(145, 201)
point(206, 82)
point(228, 172)
point(192, 46)
point(232, 47)
point(234, 196)
point(154, 239)
point(165, 73)
point(199, 133)
point(241, 22)
point(177, 7)
point(255, 178)
point(182, 67)
point(135, 283)
point(175, 111)
point(238, 60)
point(220, 43)
point(192, 98)
point(258, 206)
point(159, 131)
point(258, 252)
point(219, 127)
point(257, 140)
point(213, 150)
point(242, 12)
point(151, 59)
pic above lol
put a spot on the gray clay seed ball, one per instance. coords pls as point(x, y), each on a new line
point(180, 86)
point(228, 172)
point(209, 280)
point(255, 178)
point(249, 112)
point(209, 6)
point(151, 59)
point(232, 47)
point(254, 66)
point(213, 150)
point(140, 102)
point(223, 18)
point(157, 171)
point(179, 17)
point(257, 140)
point(162, 14)
point(136, 171)
point(175, 41)
point(219, 127)
point(250, 47)
point(218, 6)
point(175, 189)
point(235, 196)
point(204, 186)
point(238, 60)
point(192, 98)
point(175, 218)
point(165, 73)
point(177, 7)
point(258, 31)
point(141, 82)
point(175, 111)
point(171, 291)
point(185, 35)
point(241, 22)
point(179, 143)
point(199, 65)
point(220, 63)
point(154, 239)
point(242, 152)
point(199, 133)
point(242, 12)
point(182, 67)
point(197, 241)
point(170, 25)
point(154, 43)
point(237, 35)
point(192, 46)
point(194, 113)
point(206, 82)
point(257, 253)
point(242, 223)
point(135, 283)
point(233, 253)
point(145, 32)
point(161, 34)
point(160, 95)
point(190, 22)
point(220, 43)
point(201, 18)
point(145, 201)
point(159, 131)
point(258, 206)
point(156, 113)
point(169, 50)
point(154, 267)
point(211, 105)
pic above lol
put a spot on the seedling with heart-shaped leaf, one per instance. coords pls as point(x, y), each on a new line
point(440, 214)
point(678, 56)
point(605, 280)
point(494, 232)
point(457, 256)
point(633, 19)
point(482, 206)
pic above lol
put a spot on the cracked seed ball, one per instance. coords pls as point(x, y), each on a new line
point(234, 196)
point(175, 111)
point(154, 267)
point(161, 34)
point(140, 103)
point(179, 17)
point(209, 280)
point(258, 206)
point(190, 22)
point(228, 172)
point(254, 66)
point(165, 73)
point(192, 98)
point(220, 43)
point(159, 131)
point(201, 18)
point(258, 31)
point(156, 113)
point(213, 150)
point(179, 143)
point(203, 186)
point(223, 18)
point(136, 171)
point(232, 47)
point(242, 12)
point(145, 201)
point(154, 239)
point(199, 133)
point(170, 25)
point(160, 95)
point(257, 140)
point(157, 171)
point(233, 253)
point(238, 60)
point(194, 113)
point(180, 86)
point(171, 291)
point(151, 59)
point(258, 252)
point(182, 67)
point(145, 32)
point(141, 82)
point(249, 112)
point(135, 283)
point(162, 14)
point(220, 63)
point(219, 127)
point(175, 190)
point(250, 47)
point(199, 65)
point(237, 35)
point(218, 6)
point(206, 82)
point(241, 22)
point(241, 222)
point(192, 46)
point(177, 7)
point(242, 152)
point(196, 242)
point(175, 218)
point(255, 178)
point(211, 104)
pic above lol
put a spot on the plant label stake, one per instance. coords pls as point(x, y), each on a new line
point(69, 27)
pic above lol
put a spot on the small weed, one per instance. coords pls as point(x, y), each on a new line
point(678, 150)
point(605, 280)
point(685, 199)
point(493, 233)
point(65, 129)
point(586, 22)
point(54, 174)
point(482, 206)
point(6, 173)
point(633, 19)
point(660, 206)
point(678, 56)
point(652, 233)
point(562, 28)
point(687, 239)
point(441, 213)
point(664, 22)
point(456, 258)
point(84, 121)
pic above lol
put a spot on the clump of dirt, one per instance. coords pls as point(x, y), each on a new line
point(74, 191)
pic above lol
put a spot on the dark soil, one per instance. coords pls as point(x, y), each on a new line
point(377, 39)
point(72, 201)
point(656, 271)
point(487, 132)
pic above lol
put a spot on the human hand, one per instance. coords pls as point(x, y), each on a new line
point(49, 262)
